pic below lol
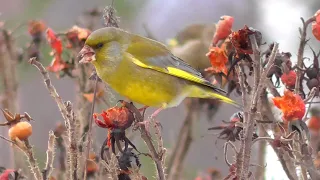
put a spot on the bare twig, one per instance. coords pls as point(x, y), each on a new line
point(256, 62)
point(67, 114)
point(112, 166)
point(317, 102)
point(225, 152)
point(159, 140)
point(73, 151)
point(8, 140)
point(183, 142)
point(90, 128)
point(27, 149)
point(147, 139)
point(52, 90)
point(311, 95)
point(303, 42)
point(50, 156)
point(245, 150)
point(109, 15)
point(242, 80)
point(228, 143)
point(239, 156)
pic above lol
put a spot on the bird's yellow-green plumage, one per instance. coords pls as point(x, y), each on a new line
point(145, 71)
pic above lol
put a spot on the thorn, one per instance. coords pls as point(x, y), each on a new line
point(27, 116)
point(7, 114)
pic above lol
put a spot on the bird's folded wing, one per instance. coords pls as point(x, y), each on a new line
point(150, 54)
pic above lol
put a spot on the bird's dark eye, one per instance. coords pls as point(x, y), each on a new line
point(99, 45)
point(221, 18)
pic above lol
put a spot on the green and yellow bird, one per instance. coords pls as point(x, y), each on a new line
point(144, 70)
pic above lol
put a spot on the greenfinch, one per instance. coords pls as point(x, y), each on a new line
point(144, 70)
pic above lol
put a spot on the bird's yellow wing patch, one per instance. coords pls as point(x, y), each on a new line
point(177, 72)
point(151, 54)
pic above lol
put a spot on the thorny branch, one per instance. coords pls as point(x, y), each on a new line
point(50, 156)
point(90, 127)
point(156, 157)
point(303, 42)
point(26, 148)
point(68, 115)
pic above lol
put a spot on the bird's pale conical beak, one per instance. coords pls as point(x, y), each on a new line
point(86, 55)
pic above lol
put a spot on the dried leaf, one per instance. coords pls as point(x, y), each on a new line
point(218, 60)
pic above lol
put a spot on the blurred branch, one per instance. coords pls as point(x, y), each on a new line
point(8, 73)
point(303, 42)
point(8, 64)
point(225, 151)
point(90, 128)
point(183, 142)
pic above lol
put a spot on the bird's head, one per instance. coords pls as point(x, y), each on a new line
point(101, 44)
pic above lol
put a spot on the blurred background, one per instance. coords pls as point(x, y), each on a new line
point(277, 20)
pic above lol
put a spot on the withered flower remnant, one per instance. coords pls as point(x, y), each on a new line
point(36, 29)
point(231, 130)
point(218, 60)
point(77, 36)
point(116, 120)
point(240, 40)
point(115, 117)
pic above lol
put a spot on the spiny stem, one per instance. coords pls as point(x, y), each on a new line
point(90, 128)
